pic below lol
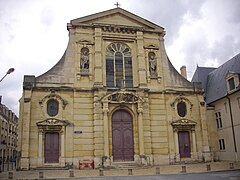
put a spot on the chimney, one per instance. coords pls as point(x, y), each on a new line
point(183, 70)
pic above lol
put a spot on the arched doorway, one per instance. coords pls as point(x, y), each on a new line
point(122, 136)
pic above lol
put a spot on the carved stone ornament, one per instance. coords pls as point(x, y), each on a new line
point(183, 124)
point(179, 99)
point(53, 95)
point(53, 122)
point(122, 96)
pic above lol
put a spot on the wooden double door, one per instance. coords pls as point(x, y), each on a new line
point(184, 144)
point(51, 147)
point(122, 136)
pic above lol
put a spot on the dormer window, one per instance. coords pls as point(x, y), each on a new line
point(232, 80)
point(231, 84)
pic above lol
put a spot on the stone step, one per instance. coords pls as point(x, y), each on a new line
point(51, 168)
point(124, 165)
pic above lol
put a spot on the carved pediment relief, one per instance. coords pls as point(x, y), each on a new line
point(122, 96)
point(53, 122)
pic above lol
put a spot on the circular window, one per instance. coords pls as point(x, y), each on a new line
point(182, 109)
point(52, 107)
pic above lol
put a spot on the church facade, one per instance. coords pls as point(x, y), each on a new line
point(113, 97)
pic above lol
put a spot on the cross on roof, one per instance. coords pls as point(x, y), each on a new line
point(117, 4)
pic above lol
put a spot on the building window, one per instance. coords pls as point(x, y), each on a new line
point(182, 109)
point(225, 105)
point(231, 84)
point(218, 120)
point(52, 107)
point(118, 66)
point(221, 144)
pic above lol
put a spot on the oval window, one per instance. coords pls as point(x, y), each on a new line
point(181, 108)
point(52, 107)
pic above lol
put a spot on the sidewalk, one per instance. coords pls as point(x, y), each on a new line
point(163, 169)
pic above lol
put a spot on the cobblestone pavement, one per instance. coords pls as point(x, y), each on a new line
point(149, 171)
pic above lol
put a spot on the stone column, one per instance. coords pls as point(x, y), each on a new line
point(140, 129)
point(105, 128)
point(40, 147)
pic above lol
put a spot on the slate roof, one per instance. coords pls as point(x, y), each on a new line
point(215, 84)
point(201, 75)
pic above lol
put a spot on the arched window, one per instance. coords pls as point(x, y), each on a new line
point(182, 109)
point(119, 66)
point(52, 107)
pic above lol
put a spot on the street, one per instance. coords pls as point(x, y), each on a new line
point(223, 175)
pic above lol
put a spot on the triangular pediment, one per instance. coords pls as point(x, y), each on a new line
point(119, 17)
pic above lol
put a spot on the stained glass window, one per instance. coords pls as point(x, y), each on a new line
point(119, 66)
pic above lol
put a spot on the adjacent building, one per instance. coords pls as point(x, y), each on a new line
point(8, 136)
point(114, 97)
point(222, 95)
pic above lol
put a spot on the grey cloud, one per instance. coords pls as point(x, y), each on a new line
point(224, 49)
point(234, 12)
point(169, 14)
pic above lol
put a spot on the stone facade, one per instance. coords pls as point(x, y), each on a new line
point(113, 97)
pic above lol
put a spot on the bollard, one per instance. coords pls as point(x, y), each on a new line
point(71, 173)
point(129, 172)
point(10, 175)
point(40, 175)
point(101, 172)
point(184, 169)
point(157, 170)
point(208, 167)
point(231, 165)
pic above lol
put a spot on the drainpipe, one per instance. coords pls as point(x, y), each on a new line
point(233, 131)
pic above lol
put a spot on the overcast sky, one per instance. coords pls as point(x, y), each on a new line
point(33, 33)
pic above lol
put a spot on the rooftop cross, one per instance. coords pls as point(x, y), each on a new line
point(117, 4)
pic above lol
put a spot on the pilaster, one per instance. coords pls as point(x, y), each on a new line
point(141, 60)
point(205, 148)
point(98, 73)
point(26, 130)
point(140, 128)
point(105, 127)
